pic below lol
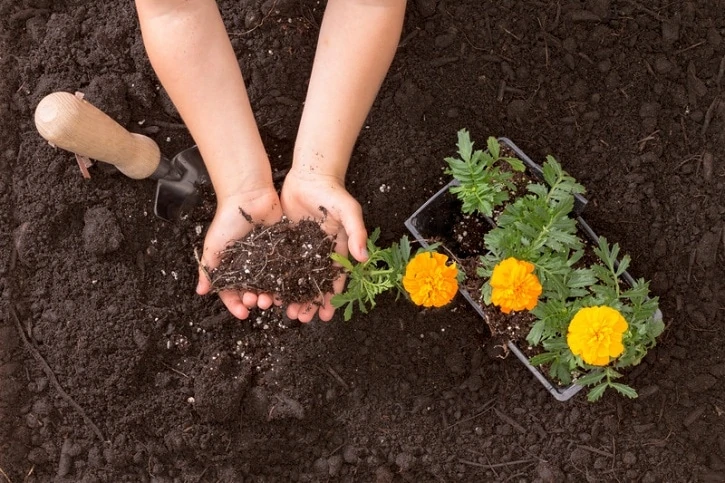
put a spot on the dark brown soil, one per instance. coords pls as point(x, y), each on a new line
point(290, 260)
point(112, 369)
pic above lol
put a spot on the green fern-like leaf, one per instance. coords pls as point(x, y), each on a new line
point(483, 185)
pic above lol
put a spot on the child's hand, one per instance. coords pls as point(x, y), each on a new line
point(325, 198)
point(228, 225)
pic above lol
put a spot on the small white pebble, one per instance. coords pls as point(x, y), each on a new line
point(191, 400)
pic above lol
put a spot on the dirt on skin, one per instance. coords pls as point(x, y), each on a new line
point(113, 369)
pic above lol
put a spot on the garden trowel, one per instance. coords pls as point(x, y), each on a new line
point(71, 123)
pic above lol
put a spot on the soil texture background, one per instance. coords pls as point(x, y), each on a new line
point(112, 369)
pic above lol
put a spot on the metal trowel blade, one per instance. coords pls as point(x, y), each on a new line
point(177, 190)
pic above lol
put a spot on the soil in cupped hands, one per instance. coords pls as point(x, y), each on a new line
point(291, 260)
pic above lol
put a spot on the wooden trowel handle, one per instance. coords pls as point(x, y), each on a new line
point(70, 123)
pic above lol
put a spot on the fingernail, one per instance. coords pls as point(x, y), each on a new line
point(364, 252)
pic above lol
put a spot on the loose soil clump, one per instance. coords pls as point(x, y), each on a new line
point(289, 259)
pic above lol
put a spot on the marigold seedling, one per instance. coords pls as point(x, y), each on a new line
point(587, 324)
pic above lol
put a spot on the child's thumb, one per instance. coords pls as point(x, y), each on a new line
point(357, 236)
point(204, 286)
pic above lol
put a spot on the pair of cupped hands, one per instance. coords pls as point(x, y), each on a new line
point(302, 195)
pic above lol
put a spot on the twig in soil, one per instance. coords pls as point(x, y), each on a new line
point(692, 157)
point(691, 263)
point(474, 47)
point(643, 142)
point(336, 449)
point(495, 473)
point(720, 74)
point(709, 113)
point(684, 131)
point(497, 465)
point(175, 370)
point(201, 476)
point(337, 377)
point(546, 42)
point(516, 475)
point(658, 442)
point(489, 34)
point(511, 34)
point(12, 261)
point(646, 10)
point(586, 57)
point(595, 450)
point(51, 376)
point(690, 47)
point(30, 473)
point(509, 420)
point(5, 475)
point(486, 408)
point(501, 90)
point(557, 17)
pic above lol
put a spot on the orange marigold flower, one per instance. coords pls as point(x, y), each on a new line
point(429, 281)
point(595, 334)
point(514, 285)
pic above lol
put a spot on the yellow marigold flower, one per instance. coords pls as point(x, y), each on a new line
point(595, 334)
point(514, 285)
point(429, 281)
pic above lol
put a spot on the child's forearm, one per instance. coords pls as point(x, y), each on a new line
point(357, 42)
point(190, 51)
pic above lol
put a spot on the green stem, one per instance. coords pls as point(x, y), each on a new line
point(559, 180)
point(542, 235)
point(613, 271)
